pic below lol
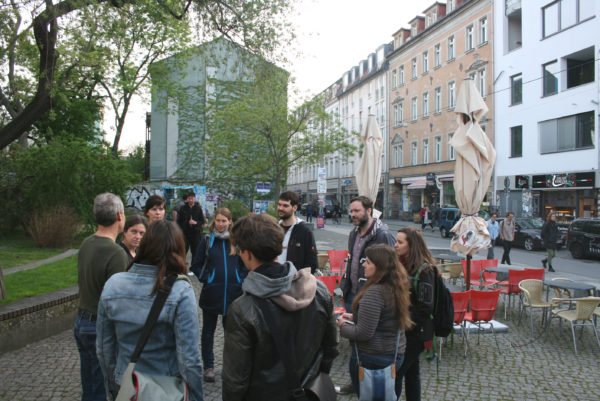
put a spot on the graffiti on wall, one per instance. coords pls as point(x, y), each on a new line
point(137, 196)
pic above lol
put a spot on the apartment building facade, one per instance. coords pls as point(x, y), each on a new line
point(547, 107)
point(449, 43)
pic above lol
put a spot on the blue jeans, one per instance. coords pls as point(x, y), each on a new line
point(92, 380)
point(207, 340)
point(372, 361)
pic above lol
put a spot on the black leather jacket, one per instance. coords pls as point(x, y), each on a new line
point(252, 369)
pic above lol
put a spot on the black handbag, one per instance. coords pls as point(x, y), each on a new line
point(316, 385)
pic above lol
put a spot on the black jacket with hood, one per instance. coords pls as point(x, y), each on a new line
point(252, 369)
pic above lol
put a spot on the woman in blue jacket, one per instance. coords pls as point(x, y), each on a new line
point(222, 274)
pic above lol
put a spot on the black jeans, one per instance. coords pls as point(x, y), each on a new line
point(506, 255)
point(207, 339)
point(410, 371)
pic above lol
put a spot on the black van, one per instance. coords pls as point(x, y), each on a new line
point(583, 238)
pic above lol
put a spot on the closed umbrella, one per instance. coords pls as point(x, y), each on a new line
point(368, 172)
point(475, 158)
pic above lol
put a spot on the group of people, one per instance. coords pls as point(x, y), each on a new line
point(257, 274)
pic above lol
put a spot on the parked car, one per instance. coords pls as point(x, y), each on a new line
point(528, 234)
point(583, 238)
point(448, 219)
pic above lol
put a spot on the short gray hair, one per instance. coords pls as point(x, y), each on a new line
point(106, 208)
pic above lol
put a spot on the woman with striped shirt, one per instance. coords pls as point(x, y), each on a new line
point(380, 313)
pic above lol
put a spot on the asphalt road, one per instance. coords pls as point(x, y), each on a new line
point(335, 236)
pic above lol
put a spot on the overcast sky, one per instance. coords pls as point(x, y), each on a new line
point(332, 36)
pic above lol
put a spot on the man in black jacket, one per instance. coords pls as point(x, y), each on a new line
point(298, 242)
point(296, 303)
point(191, 220)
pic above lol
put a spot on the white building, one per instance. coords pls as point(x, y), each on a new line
point(546, 97)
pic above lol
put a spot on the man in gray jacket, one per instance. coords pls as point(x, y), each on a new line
point(295, 302)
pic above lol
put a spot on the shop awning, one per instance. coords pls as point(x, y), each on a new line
point(419, 184)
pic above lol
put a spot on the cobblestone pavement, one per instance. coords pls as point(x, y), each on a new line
point(524, 369)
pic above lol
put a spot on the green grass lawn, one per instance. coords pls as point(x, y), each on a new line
point(21, 253)
point(47, 278)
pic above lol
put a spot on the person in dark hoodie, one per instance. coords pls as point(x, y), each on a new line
point(298, 303)
point(222, 274)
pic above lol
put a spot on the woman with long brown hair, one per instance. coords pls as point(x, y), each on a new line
point(380, 313)
point(172, 348)
point(421, 269)
point(222, 273)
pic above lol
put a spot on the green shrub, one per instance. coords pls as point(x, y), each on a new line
point(53, 227)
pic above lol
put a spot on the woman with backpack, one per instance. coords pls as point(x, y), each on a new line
point(421, 269)
point(380, 314)
point(222, 274)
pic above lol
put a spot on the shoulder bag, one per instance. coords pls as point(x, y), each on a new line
point(377, 384)
point(142, 386)
point(316, 385)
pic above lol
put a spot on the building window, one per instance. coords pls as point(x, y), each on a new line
point(425, 151)
point(400, 112)
point(482, 83)
point(437, 151)
point(437, 102)
point(401, 77)
point(437, 55)
point(483, 32)
point(425, 62)
point(451, 5)
point(397, 157)
point(451, 152)
point(451, 48)
point(568, 133)
point(451, 94)
point(394, 77)
point(413, 72)
point(413, 153)
point(425, 104)
point(563, 14)
point(469, 38)
point(516, 141)
point(580, 67)
point(516, 89)
point(414, 112)
point(550, 73)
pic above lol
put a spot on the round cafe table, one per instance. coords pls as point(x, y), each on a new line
point(582, 288)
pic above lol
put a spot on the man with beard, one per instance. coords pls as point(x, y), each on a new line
point(368, 231)
point(191, 220)
point(298, 243)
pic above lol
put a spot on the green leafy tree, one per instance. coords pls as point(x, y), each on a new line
point(253, 137)
point(46, 45)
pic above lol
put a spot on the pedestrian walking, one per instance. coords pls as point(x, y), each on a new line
point(99, 258)
point(222, 274)
point(507, 235)
point(420, 267)
point(493, 230)
point(135, 228)
point(550, 237)
point(380, 314)
point(172, 348)
point(426, 219)
point(309, 212)
point(281, 308)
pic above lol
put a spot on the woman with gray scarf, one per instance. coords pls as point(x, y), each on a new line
point(222, 274)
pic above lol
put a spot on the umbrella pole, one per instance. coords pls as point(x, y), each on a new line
point(468, 278)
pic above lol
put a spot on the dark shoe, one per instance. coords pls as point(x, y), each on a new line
point(209, 375)
point(344, 389)
point(551, 269)
point(544, 262)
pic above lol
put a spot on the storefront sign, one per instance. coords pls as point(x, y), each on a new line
point(430, 179)
point(321, 180)
point(521, 181)
point(263, 187)
point(564, 180)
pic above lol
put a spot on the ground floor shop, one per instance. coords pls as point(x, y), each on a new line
point(569, 195)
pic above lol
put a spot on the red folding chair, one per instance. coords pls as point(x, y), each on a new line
point(475, 278)
point(331, 282)
point(483, 307)
point(461, 305)
point(514, 278)
point(337, 261)
point(535, 274)
point(489, 278)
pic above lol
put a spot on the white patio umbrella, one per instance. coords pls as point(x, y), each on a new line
point(368, 172)
point(475, 158)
